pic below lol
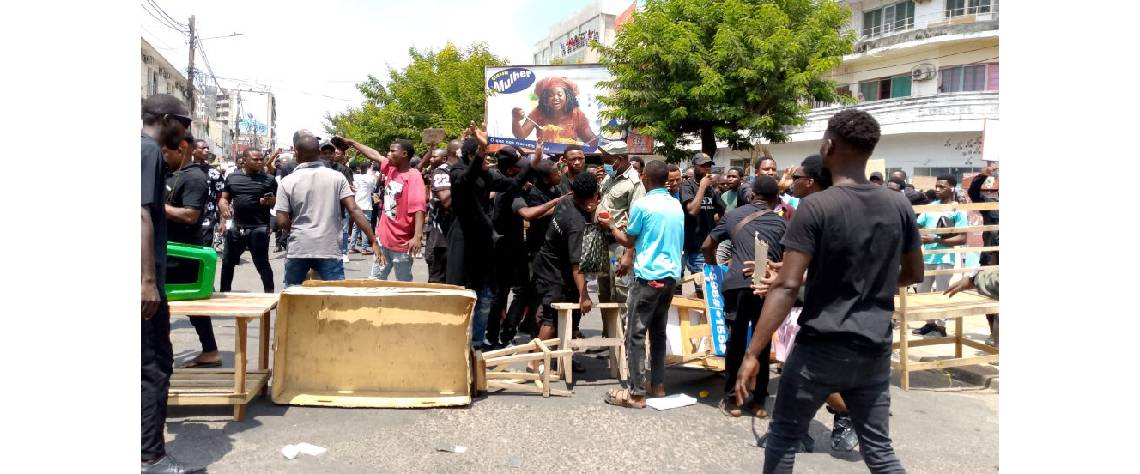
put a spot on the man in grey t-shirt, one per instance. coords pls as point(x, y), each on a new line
point(309, 204)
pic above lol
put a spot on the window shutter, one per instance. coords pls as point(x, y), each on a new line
point(992, 77)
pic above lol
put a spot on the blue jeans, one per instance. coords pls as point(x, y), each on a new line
point(327, 268)
point(345, 218)
point(357, 234)
point(695, 263)
point(816, 370)
point(482, 310)
point(401, 260)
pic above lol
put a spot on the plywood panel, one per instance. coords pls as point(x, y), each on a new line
point(392, 346)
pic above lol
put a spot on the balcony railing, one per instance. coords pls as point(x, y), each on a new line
point(967, 14)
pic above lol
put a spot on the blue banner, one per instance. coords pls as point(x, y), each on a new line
point(714, 277)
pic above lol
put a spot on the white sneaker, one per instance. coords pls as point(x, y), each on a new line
point(344, 258)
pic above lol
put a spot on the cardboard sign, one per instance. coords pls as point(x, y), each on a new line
point(432, 136)
point(761, 258)
point(922, 183)
point(714, 300)
point(876, 165)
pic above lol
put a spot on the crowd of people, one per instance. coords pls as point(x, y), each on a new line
point(524, 231)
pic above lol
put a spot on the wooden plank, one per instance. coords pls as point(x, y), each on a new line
point(242, 305)
point(564, 306)
point(595, 342)
point(530, 346)
point(947, 363)
point(981, 346)
point(565, 334)
point(974, 206)
point(688, 303)
point(934, 341)
point(610, 305)
point(240, 362)
point(526, 388)
point(960, 250)
point(959, 230)
point(511, 359)
point(263, 342)
point(511, 376)
point(951, 271)
point(904, 336)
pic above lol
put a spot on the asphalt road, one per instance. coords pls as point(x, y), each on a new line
point(940, 425)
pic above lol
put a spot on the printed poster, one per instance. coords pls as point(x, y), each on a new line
point(714, 277)
point(558, 102)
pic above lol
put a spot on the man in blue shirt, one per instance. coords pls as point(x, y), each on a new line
point(656, 233)
point(944, 187)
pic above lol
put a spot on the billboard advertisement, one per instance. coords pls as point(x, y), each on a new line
point(558, 102)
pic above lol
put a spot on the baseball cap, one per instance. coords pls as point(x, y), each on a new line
point(327, 144)
point(701, 159)
point(877, 175)
point(614, 148)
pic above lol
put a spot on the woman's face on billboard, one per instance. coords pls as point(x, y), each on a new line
point(557, 98)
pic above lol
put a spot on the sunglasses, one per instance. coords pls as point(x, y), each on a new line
point(184, 120)
point(796, 176)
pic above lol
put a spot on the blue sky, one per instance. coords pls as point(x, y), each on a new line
point(310, 54)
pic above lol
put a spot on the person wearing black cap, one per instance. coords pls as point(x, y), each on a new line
point(740, 227)
point(703, 208)
point(877, 178)
point(854, 269)
point(165, 122)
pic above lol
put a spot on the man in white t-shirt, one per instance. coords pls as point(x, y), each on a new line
point(365, 185)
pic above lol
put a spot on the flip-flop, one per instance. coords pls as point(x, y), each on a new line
point(733, 411)
point(202, 365)
point(621, 397)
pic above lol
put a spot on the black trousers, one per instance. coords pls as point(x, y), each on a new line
point(256, 240)
point(512, 276)
point(435, 255)
point(157, 365)
point(747, 311)
point(648, 313)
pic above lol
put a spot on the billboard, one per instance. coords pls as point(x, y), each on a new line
point(560, 102)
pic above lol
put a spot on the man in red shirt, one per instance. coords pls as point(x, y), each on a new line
point(401, 223)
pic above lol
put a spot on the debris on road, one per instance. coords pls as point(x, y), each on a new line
point(291, 451)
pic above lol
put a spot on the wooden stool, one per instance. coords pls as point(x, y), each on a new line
point(613, 338)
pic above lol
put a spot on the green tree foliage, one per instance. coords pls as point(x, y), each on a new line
point(438, 89)
point(733, 70)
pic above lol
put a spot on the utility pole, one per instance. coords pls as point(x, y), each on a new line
point(190, 69)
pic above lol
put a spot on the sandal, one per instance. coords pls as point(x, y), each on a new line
point(622, 398)
point(730, 408)
point(196, 364)
point(759, 412)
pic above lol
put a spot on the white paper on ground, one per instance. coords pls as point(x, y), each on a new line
point(672, 401)
point(291, 451)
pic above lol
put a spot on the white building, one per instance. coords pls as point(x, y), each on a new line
point(569, 39)
point(928, 71)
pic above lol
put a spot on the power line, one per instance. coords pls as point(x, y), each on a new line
point(924, 59)
point(167, 15)
point(163, 21)
point(208, 67)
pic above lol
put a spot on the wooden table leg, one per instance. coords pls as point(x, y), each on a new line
point(263, 348)
point(565, 334)
point(240, 363)
point(904, 361)
point(958, 338)
point(610, 323)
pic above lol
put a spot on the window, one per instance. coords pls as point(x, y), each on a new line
point(966, 78)
point(152, 88)
point(956, 172)
point(966, 7)
point(885, 88)
point(896, 16)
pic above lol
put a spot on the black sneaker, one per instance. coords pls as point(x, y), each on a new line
point(843, 436)
point(922, 331)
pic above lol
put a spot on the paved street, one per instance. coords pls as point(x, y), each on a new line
point(940, 425)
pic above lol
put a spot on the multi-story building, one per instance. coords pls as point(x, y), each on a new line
point(211, 104)
point(569, 40)
point(928, 71)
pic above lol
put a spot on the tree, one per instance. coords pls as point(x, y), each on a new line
point(733, 70)
point(438, 89)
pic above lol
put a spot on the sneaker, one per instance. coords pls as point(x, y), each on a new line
point(843, 436)
point(922, 331)
point(344, 258)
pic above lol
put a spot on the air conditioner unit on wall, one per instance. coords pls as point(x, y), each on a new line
point(922, 72)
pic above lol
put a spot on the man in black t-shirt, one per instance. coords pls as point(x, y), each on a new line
point(165, 122)
point(854, 268)
point(741, 227)
point(556, 274)
point(703, 208)
point(187, 195)
point(247, 198)
point(210, 221)
point(439, 214)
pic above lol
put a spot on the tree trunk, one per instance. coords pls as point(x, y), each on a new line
point(708, 141)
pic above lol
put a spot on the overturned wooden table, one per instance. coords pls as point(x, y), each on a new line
point(235, 386)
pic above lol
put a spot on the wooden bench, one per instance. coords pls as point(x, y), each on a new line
point(235, 386)
point(924, 306)
point(613, 338)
